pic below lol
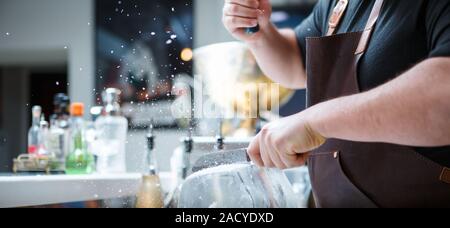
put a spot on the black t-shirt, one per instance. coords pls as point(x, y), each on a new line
point(407, 32)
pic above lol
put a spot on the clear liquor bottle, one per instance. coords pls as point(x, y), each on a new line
point(58, 136)
point(112, 130)
point(34, 131)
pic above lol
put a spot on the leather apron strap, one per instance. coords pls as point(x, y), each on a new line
point(336, 16)
point(338, 13)
point(367, 34)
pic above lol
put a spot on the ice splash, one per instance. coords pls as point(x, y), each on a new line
point(219, 169)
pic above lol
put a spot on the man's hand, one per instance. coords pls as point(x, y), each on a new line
point(241, 14)
point(285, 143)
point(276, 51)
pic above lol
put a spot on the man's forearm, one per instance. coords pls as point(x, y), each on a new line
point(413, 109)
point(278, 55)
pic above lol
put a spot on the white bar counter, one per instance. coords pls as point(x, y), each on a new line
point(23, 191)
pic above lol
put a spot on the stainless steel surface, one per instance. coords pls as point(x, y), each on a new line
point(221, 158)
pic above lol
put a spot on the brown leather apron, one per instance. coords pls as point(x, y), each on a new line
point(354, 174)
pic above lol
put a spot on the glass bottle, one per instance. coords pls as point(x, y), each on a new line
point(34, 131)
point(79, 160)
point(58, 136)
point(150, 193)
point(61, 113)
point(112, 130)
point(42, 139)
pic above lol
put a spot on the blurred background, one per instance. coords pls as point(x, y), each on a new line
point(83, 47)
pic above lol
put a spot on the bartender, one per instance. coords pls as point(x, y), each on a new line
point(377, 129)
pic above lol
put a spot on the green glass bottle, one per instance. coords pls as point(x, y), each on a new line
point(79, 160)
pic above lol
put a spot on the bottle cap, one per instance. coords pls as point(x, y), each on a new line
point(150, 138)
point(60, 98)
point(77, 109)
point(36, 112)
point(43, 124)
point(111, 97)
point(61, 103)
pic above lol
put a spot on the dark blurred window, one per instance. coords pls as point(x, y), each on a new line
point(43, 87)
point(141, 46)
